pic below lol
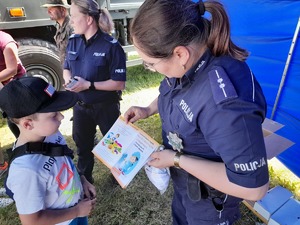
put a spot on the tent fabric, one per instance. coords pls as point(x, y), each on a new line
point(266, 29)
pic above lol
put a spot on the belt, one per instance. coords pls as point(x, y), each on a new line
point(196, 188)
point(93, 106)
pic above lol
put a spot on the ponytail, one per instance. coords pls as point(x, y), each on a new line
point(219, 41)
point(105, 21)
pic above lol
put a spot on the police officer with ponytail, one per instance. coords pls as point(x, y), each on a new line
point(211, 108)
point(96, 63)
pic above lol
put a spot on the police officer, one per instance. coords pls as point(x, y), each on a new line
point(58, 11)
point(211, 108)
point(98, 63)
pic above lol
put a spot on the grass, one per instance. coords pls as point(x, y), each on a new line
point(140, 203)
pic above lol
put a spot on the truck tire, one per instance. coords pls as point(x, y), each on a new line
point(41, 59)
point(120, 33)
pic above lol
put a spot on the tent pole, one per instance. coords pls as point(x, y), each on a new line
point(287, 64)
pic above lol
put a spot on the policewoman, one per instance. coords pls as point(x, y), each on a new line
point(98, 64)
point(211, 109)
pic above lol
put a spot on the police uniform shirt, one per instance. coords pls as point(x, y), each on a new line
point(217, 109)
point(98, 59)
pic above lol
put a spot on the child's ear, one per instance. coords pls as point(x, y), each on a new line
point(27, 123)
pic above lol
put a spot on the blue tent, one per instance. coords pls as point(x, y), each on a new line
point(269, 30)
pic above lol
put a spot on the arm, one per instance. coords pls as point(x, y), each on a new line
point(212, 173)
point(45, 217)
point(107, 85)
point(10, 53)
point(135, 113)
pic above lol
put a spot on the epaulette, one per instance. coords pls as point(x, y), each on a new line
point(221, 86)
point(110, 39)
point(74, 36)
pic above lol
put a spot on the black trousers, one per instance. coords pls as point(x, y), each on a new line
point(86, 118)
point(187, 211)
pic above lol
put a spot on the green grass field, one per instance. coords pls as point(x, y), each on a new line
point(140, 203)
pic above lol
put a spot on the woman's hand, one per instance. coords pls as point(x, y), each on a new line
point(162, 159)
point(135, 113)
point(80, 85)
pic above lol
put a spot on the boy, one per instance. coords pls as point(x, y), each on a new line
point(46, 189)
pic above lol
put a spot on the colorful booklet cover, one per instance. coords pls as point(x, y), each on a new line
point(125, 149)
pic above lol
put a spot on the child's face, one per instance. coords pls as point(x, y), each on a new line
point(133, 159)
point(47, 123)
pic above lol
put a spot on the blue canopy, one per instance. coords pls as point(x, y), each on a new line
point(267, 28)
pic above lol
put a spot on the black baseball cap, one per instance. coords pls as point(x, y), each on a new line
point(28, 95)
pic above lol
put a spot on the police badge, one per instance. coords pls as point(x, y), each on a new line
point(175, 141)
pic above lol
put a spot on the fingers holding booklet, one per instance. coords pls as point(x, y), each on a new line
point(125, 149)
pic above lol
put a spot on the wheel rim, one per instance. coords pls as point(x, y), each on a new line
point(44, 72)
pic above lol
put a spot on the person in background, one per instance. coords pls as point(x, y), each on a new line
point(58, 11)
point(3, 163)
point(4, 200)
point(97, 62)
point(11, 66)
point(46, 186)
point(211, 108)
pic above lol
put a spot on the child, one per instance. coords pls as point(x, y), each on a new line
point(46, 189)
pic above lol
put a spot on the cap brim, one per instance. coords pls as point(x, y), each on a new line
point(62, 100)
point(55, 5)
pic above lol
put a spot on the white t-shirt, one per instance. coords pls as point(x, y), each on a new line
point(41, 182)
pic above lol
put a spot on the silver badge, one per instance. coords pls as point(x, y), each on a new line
point(175, 141)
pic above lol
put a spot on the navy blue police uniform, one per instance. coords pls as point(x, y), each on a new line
point(215, 112)
point(98, 59)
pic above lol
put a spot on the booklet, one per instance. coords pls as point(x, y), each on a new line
point(125, 149)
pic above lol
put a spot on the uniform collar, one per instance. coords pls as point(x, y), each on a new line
point(91, 40)
point(201, 64)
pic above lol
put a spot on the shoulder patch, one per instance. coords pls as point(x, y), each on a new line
point(221, 86)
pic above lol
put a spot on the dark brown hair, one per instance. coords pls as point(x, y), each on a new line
point(161, 25)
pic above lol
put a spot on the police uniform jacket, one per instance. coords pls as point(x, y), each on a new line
point(98, 59)
point(216, 109)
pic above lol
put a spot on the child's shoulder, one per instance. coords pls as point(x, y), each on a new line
point(56, 138)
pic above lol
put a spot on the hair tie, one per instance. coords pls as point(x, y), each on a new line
point(201, 7)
